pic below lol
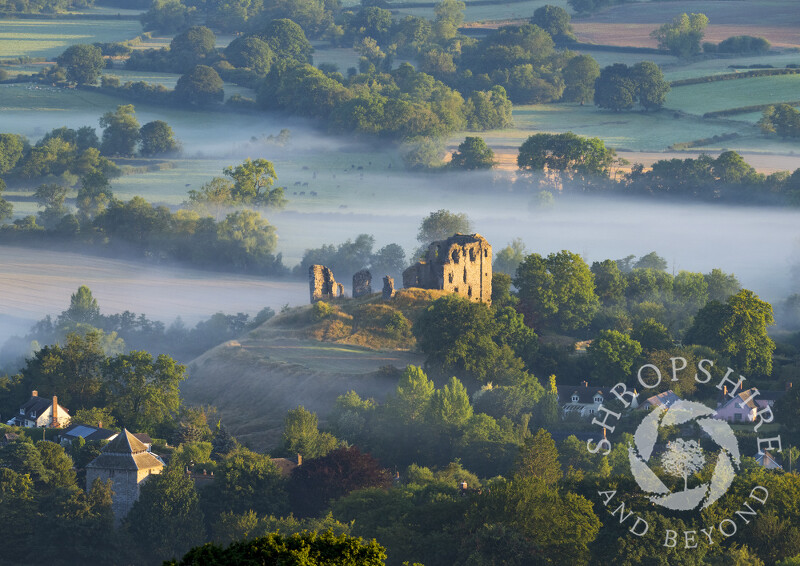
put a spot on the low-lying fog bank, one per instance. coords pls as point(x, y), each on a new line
point(35, 283)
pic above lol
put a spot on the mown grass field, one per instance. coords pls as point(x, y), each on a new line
point(483, 13)
point(606, 58)
point(722, 95)
point(677, 70)
point(638, 131)
point(49, 38)
point(342, 57)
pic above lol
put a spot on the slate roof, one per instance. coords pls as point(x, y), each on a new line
point(87, 432)
point(36, 404)
point(765, 459)
point(143, 437)
point(665, 398)
point(125, 452)
point(585, 393)
point(752, 401)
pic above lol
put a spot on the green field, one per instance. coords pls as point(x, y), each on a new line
point(606, 58)
point(638, 131)
point(342, 57)
point(49, 38)
point(499, 11)
point(722, 66)
point(721, 95)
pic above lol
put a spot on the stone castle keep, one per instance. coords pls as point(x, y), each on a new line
point(461, 264)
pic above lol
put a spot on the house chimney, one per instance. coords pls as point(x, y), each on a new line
point(55, 411)
point(34, 393)
point(99, 424)
point(299, 459)
point(788, 385)
point(585, 383)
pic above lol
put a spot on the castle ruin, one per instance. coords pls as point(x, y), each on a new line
point(362, 284)
point(461, 264)
point(322, 285)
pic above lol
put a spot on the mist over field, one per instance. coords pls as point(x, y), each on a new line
point(363, 188)
point(35, 283)
point(760, 245)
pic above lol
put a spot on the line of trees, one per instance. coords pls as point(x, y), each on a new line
point(586, 164)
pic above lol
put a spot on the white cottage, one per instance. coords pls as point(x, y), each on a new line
point(41, 412)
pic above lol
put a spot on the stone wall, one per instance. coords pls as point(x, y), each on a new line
point(461, 264)
point(362, 283)
point(322, 285)
point(388, 288)
point(125, 485)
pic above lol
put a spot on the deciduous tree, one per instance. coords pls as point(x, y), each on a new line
point(83, 63)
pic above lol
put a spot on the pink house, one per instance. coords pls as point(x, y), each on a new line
point(744, 406)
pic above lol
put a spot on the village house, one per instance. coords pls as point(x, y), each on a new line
point(766, 460)
point(664, 399)
point(40, 412)
point(128, 464)
point(742, 408)
point(88, 432)
point(582, 400)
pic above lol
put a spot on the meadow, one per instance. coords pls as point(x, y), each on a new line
point(49, 38)
point(676, 70)
point(491, 12)
point(721, 95)
point(636, 131)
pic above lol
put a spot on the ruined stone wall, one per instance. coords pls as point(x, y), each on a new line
point(461, 264)
point(362, 283)
point(322, 285)
point(388, 288)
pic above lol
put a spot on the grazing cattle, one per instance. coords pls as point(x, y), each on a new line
point(305, 167)
point(305, 184)
point(342, 206)
point(297, 183)
point(360, 168)
point(294, 193)
point(188, 184)
point(302, 193)
point(313, 193)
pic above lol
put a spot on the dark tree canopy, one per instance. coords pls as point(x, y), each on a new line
point(321, 480)
point(737, 329)
point(307, 548)
point(167, 16)
point(83, 63)
point(580, 74)
point(120, 131)
point(473, 153)
point(620, 87)
point(251, 53)
point(201, 86)
point(555, 21)
point(682, 36)
point(192, 46)
point(556, 291)
point(287, 40)
point(566, 153)
point(157, 138)
point(12, 148)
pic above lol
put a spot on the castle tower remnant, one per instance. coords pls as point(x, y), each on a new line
point(461, 264)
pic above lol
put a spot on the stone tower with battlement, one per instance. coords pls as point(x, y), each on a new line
point(461, 264)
